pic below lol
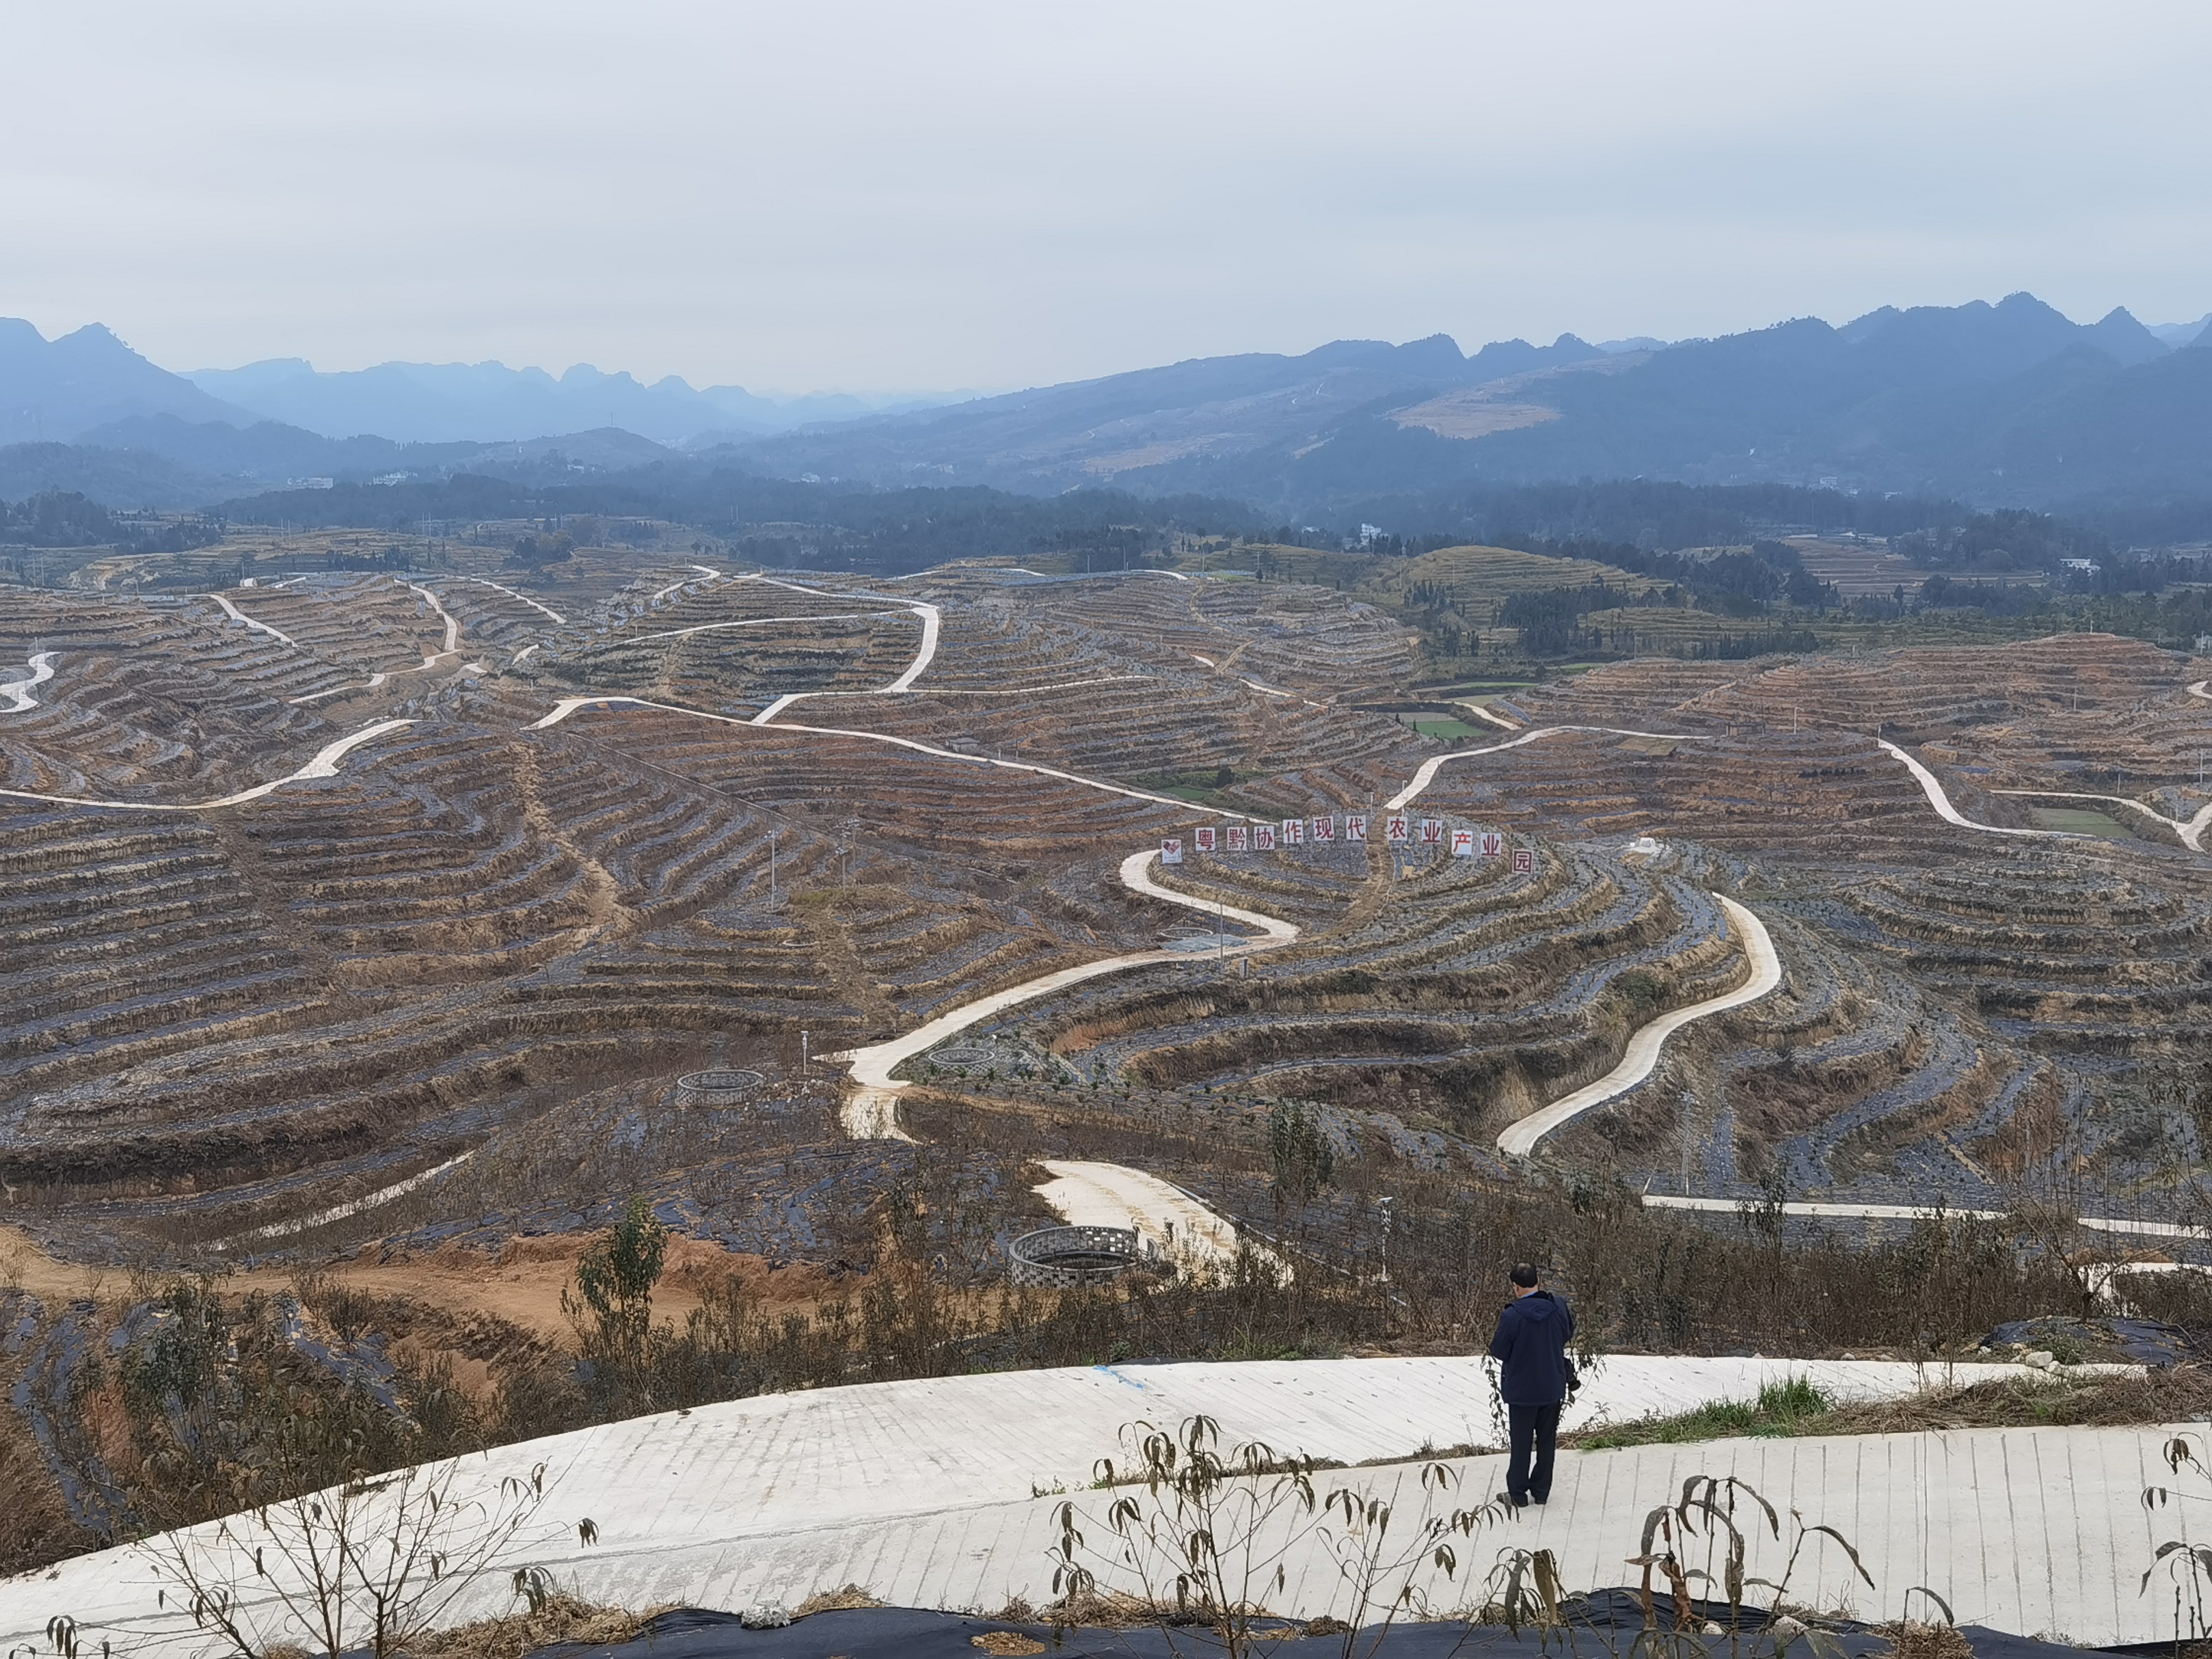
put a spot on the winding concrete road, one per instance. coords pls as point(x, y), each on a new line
point(324, 765)
point(18, 692)
point(568, 706)
point(1932, 787)
point(1641, 1056)
point(759, 621)
point(1425, 774)
point(2189, 830)
point(430, 660)
point(238, 616)
point(501, 587)
point(871, 1112)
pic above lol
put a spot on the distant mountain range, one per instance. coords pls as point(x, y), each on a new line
point(490, 403)
point(2007, 403)
point(59, 391)
point(2004, 404)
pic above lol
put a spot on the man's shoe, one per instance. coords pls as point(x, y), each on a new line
point(1545, 1499)
point(1517, 1503)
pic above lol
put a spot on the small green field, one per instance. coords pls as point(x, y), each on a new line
point(1443, 726)
point(1782, 1409)
point(2081, 821)
point(1203, 788)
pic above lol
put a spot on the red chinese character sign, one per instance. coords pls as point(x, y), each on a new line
point(1324, 829)
point(1263, 838)
point(1524, 861)
point(1294, 832)
point(1240, 838)
point(1398, 830)
point(1493, 844)
point(1433, 832)
point(1205, 839)
point(1171, 850)
point(1355, 829)
point(1462, 843)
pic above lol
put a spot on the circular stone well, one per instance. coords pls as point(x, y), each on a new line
point(727, 1088)
point(1063, 1258)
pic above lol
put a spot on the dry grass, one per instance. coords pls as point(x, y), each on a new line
point(2179, 1394)
point(562, 1619)
point(34, 1523)
point(1102, 1610)
point(850, 1599)
point(1910, 1641)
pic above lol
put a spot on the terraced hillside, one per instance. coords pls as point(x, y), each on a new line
point(311, 884)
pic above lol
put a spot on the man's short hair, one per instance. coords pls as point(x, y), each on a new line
point(1524, 1274)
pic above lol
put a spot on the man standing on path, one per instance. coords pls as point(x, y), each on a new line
point(1531, 1350)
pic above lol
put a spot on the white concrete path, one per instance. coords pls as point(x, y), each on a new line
point(933, 621)
point(1490, 716)
point(18, 692)
point(942, 1493)
point(1813, 1207)
point(324, 765)
point(870, 1113)
point(1641, 1055)
point(2190, 829)
point(453, 627)
point(1932, 787)
point(430, 659)
point(1084, 1194)
point(238, 616)
point(360, 1206)
point(481, 581)
point(568, 706)
point(1425, 774)
point(758, 622)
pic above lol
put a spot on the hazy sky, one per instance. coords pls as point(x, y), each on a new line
point(901, 194)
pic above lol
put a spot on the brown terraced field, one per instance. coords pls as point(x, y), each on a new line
point(652, 814)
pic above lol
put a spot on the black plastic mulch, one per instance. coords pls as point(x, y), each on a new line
point(2139, 1341)
point(1606, 1625)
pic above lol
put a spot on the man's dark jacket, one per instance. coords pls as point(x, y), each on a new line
point(1531, 1348)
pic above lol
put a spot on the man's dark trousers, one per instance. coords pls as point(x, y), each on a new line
point(1532, 1428)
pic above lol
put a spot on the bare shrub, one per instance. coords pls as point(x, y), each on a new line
point(1208, 1540)
point(373, 1564)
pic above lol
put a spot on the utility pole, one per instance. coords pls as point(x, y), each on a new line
point(772, 835)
